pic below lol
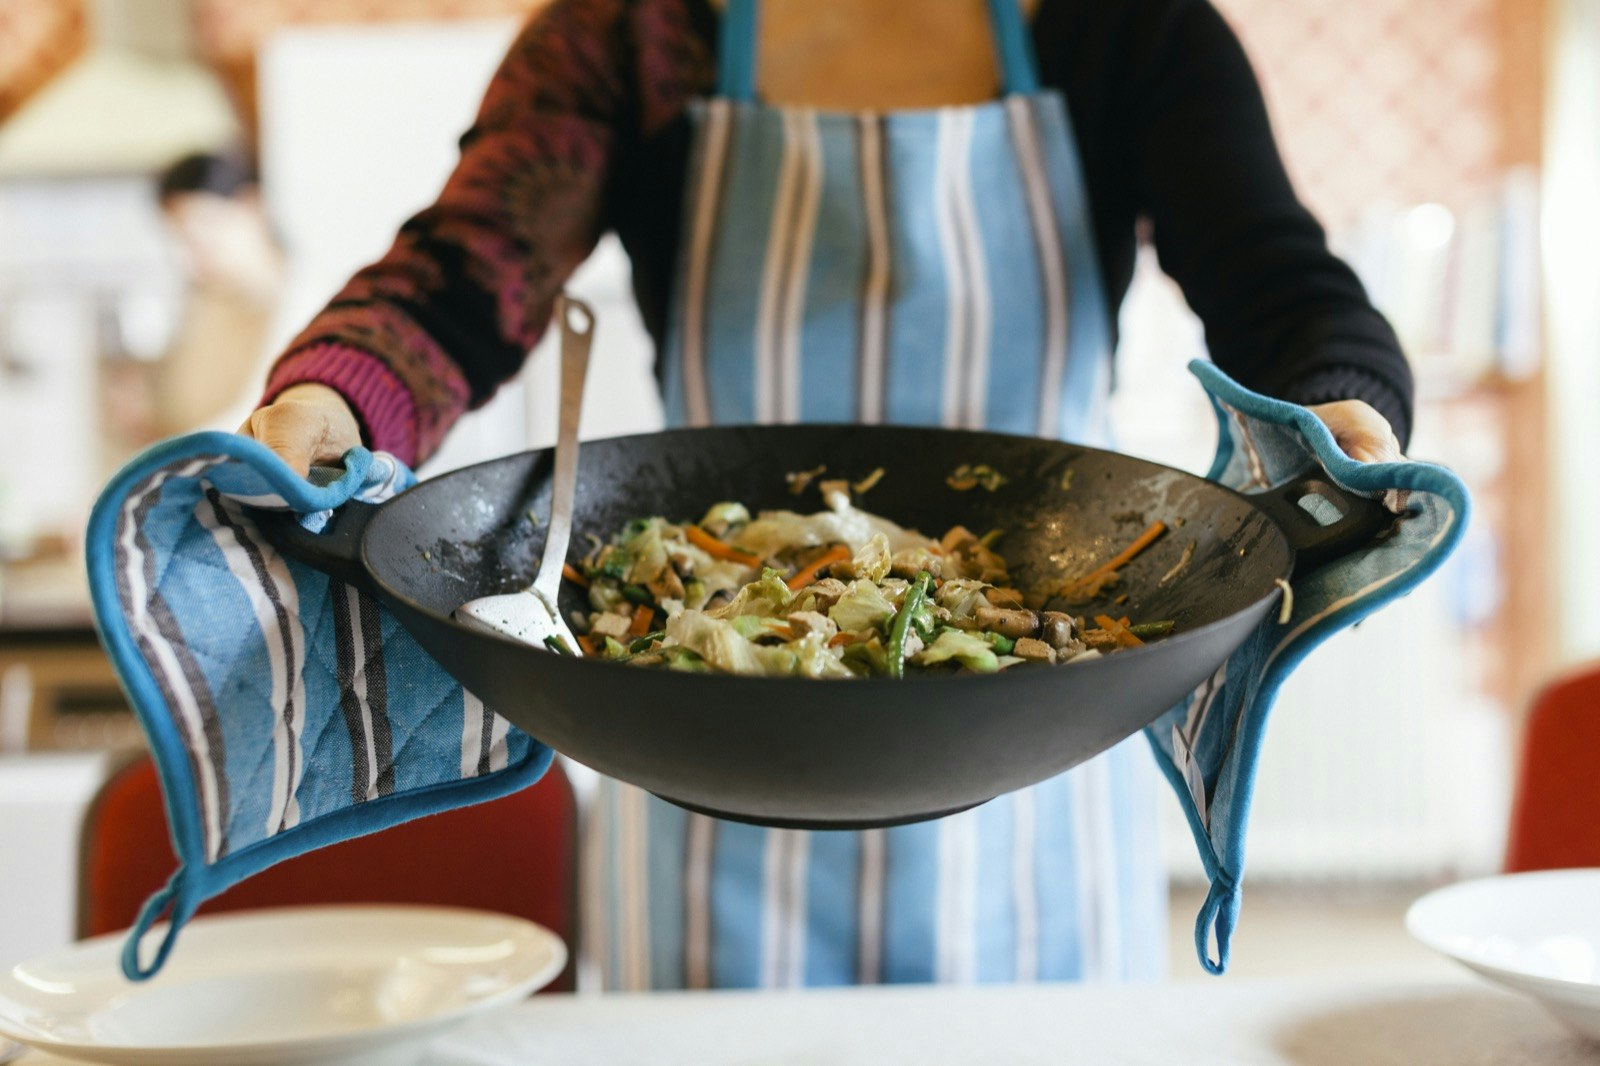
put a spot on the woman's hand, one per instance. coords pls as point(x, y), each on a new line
point(1360, 431)
point(307, 424)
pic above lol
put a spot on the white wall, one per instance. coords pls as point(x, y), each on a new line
point(1572, 270)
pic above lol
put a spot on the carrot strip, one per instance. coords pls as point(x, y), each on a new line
point(571, 573)
point(841, 638)
point(1119, 630)
point(836, 554)
point(1094, 579)
point(717, 549)
point(1128, 554)
point(642, 617)
point(592, 644)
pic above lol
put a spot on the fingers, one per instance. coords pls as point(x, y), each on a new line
point(1360, 431)
point(305, 428)
point(1373, 452)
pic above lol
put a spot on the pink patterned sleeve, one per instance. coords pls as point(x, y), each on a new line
point(450, 311)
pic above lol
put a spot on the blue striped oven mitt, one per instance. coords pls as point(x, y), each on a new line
point(284, 710)
point(287, 711)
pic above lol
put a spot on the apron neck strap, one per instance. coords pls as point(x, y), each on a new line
point(736, 62)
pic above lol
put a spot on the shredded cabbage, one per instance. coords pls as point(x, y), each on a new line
point(969, 650)
point(768, 596)
point(962, 598)
point(872, 561)
point(773, 531)
point(720, 644)
point(646, 553)
point(727, 513)
point(863, 606)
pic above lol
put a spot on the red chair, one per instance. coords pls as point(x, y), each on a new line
point(515, 855)
point(1553, 809)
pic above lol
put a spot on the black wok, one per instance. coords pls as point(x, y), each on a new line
point(836, 754)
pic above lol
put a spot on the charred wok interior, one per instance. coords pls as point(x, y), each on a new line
point(791, 750)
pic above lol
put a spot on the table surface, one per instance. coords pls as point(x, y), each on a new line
point(1335, 1022)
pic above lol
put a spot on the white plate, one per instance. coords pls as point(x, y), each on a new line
point(287, 986)
point(1537, 933)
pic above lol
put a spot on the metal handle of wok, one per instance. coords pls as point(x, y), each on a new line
point(576, 322)
point(1322, 521)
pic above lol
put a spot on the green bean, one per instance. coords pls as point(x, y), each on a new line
point(643, 643)
point(1146, 630)
point(916, 596)
point(1002, 644)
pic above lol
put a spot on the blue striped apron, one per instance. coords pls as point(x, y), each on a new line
point(929, 267)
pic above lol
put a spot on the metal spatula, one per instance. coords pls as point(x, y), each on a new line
point(534, 614)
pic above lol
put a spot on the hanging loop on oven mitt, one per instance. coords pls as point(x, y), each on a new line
point(1209, 744)
point(285, 711)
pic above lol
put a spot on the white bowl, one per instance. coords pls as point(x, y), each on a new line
point(1537, 933)
point(300, 985)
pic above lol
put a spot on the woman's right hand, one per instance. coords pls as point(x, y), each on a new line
point(306, 424)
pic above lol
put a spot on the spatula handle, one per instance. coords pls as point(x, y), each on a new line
point(576, 322)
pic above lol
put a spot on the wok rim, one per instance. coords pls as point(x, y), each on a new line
point(969, 678)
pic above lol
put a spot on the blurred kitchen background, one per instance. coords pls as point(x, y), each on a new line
point(1452, 148)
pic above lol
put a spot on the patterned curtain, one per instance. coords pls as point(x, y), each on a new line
point(1381, 101)
point(38, 39)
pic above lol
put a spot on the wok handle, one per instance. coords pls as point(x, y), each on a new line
point(1359, 519)
point(336, 551)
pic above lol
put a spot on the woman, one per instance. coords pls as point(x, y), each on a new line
point(854, 226)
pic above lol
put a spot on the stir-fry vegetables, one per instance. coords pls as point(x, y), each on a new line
point(839, 593)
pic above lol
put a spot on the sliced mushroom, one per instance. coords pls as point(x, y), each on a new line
point(1057, 629)
point(1007, 622)
point(1034, 650)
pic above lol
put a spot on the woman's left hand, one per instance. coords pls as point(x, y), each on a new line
point(1360, 431)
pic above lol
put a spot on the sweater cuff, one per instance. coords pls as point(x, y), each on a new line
point(1334, 383)
point(380, 401)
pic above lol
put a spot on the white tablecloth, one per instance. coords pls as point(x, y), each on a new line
point(1200, 1023)
point(1206, 1023)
